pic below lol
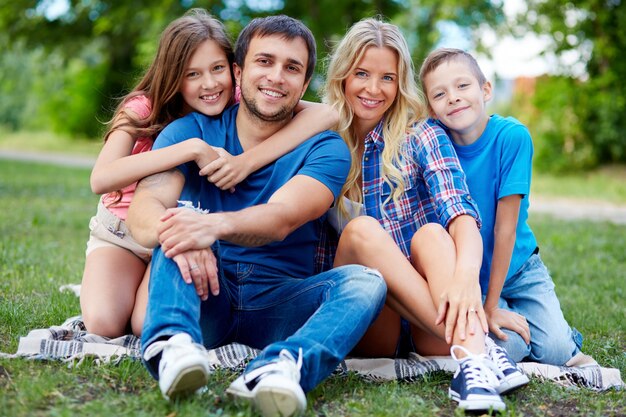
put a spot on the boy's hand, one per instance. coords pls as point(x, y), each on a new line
point(200, 268)
point(499, 318)
point(226, 171)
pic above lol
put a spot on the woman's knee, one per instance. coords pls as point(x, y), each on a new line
point(362, 229)
point(429, 234)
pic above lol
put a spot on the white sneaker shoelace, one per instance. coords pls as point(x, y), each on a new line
point(498, 355)
point(480, 371)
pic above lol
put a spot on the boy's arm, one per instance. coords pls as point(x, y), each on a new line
point(507, 213)
point(116, 168)
point(311, 119)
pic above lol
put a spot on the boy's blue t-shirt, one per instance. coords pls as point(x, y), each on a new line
point(324, 157)
point(497, 165)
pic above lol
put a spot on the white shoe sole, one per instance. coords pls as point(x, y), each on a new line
point(278, 402)
point(476, 404)
point(512, 383)
point(187, 382)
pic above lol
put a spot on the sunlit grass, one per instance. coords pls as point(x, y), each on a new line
point(49, 142)
point(43, 230)
point(607, 183)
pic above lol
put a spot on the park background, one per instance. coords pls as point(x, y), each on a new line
point(65, 63)
point(556, 66)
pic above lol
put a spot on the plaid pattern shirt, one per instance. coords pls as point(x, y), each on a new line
point(435, 187)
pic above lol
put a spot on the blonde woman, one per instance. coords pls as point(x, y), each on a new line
point(405, 210)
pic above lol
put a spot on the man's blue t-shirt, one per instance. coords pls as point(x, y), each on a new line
point(497, 165)
point(324, 157)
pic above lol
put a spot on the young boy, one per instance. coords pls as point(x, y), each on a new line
point(522, 308)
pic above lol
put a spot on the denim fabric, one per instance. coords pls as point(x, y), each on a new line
point(325, 314)
point(530, 292)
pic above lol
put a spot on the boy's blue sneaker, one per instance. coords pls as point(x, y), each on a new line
point(473, 384)
point(510, 376)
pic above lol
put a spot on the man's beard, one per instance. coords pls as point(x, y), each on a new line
point(282, 114)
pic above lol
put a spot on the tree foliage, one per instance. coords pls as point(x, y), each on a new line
point(77, 64)
point(595, 106)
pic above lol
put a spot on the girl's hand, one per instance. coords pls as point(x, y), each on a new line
point(461, 309)
point(499, 317)
point(226, 171)
point(204, 153)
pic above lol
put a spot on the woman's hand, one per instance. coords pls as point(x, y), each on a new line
point(461, 309)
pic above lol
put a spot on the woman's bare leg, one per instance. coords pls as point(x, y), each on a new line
point(365, 242)
point(433, 253)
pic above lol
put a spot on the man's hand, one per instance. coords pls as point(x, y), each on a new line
point(499, 317)
point(199, 267)
point(461, 308)
point(182, 229)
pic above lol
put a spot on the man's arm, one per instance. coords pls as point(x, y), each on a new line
point(153, 196)
point(300, 200)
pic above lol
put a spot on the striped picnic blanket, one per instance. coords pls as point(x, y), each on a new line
point(71, 342)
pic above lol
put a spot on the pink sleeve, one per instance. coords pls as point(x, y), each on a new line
point(140, 105)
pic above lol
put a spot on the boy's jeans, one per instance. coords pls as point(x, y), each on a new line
point(530, 292)
point(325, 314)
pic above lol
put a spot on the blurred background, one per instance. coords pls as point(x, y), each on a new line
point(556, 65)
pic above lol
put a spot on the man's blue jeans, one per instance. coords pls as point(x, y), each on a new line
point(530, 292)
point(325, 314)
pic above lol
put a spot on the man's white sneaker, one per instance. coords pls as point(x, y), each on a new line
point(510, 376)
point(184, 365)
point(473, 382)
point(274, 388)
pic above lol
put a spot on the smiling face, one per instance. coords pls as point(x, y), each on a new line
point(371, 87)
point(456, 98)
point(207, 86)
point(272, 79)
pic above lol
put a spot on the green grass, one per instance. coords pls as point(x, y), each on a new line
point(43, 230)
point(607, 183)
point(49, 142)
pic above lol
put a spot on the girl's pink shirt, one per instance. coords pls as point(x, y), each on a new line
point(141, 106)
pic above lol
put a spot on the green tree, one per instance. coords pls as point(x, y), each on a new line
point(101, 46)
point(422, 22)
point(592, 30)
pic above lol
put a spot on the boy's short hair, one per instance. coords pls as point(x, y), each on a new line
point(442, 55)
point(280, 25)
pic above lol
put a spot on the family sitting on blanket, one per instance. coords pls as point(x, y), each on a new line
point(230, 259)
